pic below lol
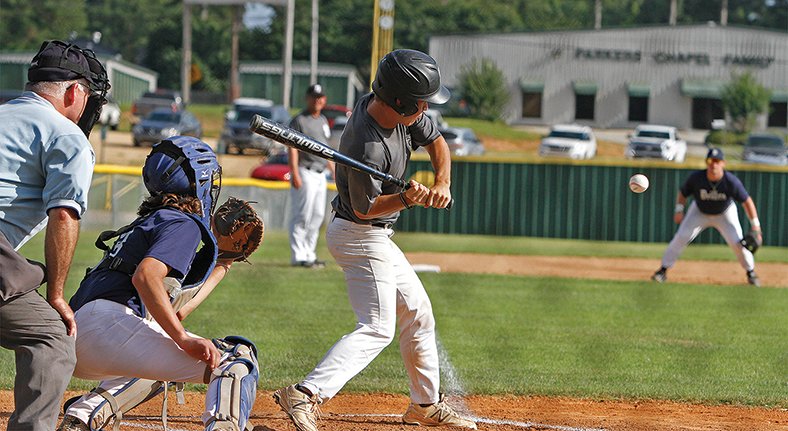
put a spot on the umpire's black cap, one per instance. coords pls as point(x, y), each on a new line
point(715, 154)
point(60, 61)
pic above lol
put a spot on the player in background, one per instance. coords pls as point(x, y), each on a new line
point(714, 191)
point(126, 304)
point(308, 182)
point(384, 291)
point(46, 165)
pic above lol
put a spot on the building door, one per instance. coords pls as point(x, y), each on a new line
point(778, 114)
point(704, 110)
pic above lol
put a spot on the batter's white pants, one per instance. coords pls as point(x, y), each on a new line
point(695, 222)
point(114, 344)
point(307, 209)
point(384, 292)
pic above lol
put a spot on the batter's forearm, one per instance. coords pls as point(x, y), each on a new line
point(440, 157)
point(61, 239)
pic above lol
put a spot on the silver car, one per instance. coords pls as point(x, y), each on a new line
point(462, 141)
point(765, 148)
point(162, 123)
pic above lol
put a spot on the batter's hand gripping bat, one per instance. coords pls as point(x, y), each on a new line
point(294, 139)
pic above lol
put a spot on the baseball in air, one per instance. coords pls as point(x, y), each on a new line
point(638, 183)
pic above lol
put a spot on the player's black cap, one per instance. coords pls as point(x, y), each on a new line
point(716, 154)
point(60, 61)
point(315, 90)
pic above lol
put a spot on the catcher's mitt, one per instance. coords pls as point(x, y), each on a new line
point(752, 241)
point(238, 229)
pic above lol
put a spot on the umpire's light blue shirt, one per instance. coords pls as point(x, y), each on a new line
point(45, 162)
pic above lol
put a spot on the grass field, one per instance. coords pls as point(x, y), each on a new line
point(515, 335)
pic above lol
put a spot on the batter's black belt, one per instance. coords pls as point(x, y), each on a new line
point(380, 225)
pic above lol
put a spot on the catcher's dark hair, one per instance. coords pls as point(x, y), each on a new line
point(183, 203)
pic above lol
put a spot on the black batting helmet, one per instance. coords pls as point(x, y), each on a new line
point(406, 76)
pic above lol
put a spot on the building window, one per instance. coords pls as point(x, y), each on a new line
point(638, 108)
point(704, 110)
point(584, 106)
point(532, 105)
point(778, 114)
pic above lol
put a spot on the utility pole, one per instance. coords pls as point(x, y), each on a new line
point(313, 50)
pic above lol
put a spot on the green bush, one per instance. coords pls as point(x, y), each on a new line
point(744, 98)
point(718, 138)
point(483, 87)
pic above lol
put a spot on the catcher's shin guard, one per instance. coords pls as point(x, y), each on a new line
point(130, 395)
point(233, 386)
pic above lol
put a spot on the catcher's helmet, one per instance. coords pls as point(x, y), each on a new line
point(406, 76)
point(186, 166)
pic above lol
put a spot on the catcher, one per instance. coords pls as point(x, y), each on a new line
point(130, 305)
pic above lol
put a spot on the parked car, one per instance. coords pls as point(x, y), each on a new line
point(162, 123)
point(151, 101)
point(661, 142)
point(333, 112)
point(436, 118)
point(462, 141)
point(274, 168)
point(110, 114)
point(569, 140)
point(237, 137)
point(765, 148)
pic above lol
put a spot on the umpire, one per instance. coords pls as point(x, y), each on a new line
point(46, 165)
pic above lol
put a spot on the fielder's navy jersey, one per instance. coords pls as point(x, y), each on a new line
point(386, 150)
point(167, 235)
point(714, 197)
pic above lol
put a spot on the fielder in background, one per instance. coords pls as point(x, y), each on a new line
point(128, 305)
point(308, 182)
point(713, 191)
point(384, 291)
point(46, 165)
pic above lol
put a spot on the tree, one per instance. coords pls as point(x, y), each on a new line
point(743, 99)
point(483, 87)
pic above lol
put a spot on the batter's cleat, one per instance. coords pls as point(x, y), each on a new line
point(660, 276)
point(70, 423)
point(438, 414)
point(753, 279)
point(301, 408)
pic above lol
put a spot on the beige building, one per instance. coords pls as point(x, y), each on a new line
point(613, 78)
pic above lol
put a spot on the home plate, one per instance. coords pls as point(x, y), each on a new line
point(423, 267)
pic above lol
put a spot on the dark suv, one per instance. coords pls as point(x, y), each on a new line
point(236, 136)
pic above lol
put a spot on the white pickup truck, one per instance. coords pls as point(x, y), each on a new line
point(661, 142)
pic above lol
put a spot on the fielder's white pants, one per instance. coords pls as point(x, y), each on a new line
point(384, 292)
point(695, 222)
point(308, 207)
point(114, 344)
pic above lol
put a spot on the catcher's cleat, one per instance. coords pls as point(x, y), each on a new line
point(438, 414)
point(660, 276)
point(753, 279)
point(70, 423)
point(301, 408)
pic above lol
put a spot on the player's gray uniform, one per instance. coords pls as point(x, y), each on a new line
point(383, 289)
point(712, 206)
point(308, 203)
point(45, 162)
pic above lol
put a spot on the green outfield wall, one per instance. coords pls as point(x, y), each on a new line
point(583, 201)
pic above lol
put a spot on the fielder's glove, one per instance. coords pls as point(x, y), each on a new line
point(238, 229)
point(752, 241)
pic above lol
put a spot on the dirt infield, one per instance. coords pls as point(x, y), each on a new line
point(380, 412)
point(686, 271)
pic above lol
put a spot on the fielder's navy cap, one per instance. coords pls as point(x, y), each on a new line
point(715, 153)
point(315, 90)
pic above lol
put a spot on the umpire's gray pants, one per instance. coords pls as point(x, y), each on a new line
point(45, 359)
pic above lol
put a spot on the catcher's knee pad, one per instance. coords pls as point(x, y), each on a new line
point(233, 386)
point(119, 401)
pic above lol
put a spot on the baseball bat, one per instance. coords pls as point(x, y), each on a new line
point(294, 139)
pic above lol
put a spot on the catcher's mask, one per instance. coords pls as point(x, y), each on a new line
point(406, 76)
point(187, 166)
point(61, 61)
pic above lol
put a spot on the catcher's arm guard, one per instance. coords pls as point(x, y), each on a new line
point(752, 241)
point(238, 229)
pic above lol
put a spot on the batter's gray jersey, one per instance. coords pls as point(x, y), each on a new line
point(315, 127)
point(387, 150)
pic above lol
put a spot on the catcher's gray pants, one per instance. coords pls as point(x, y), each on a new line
point(307, 210)
point(44, 356)
point(384, 292)
point(695, 222)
